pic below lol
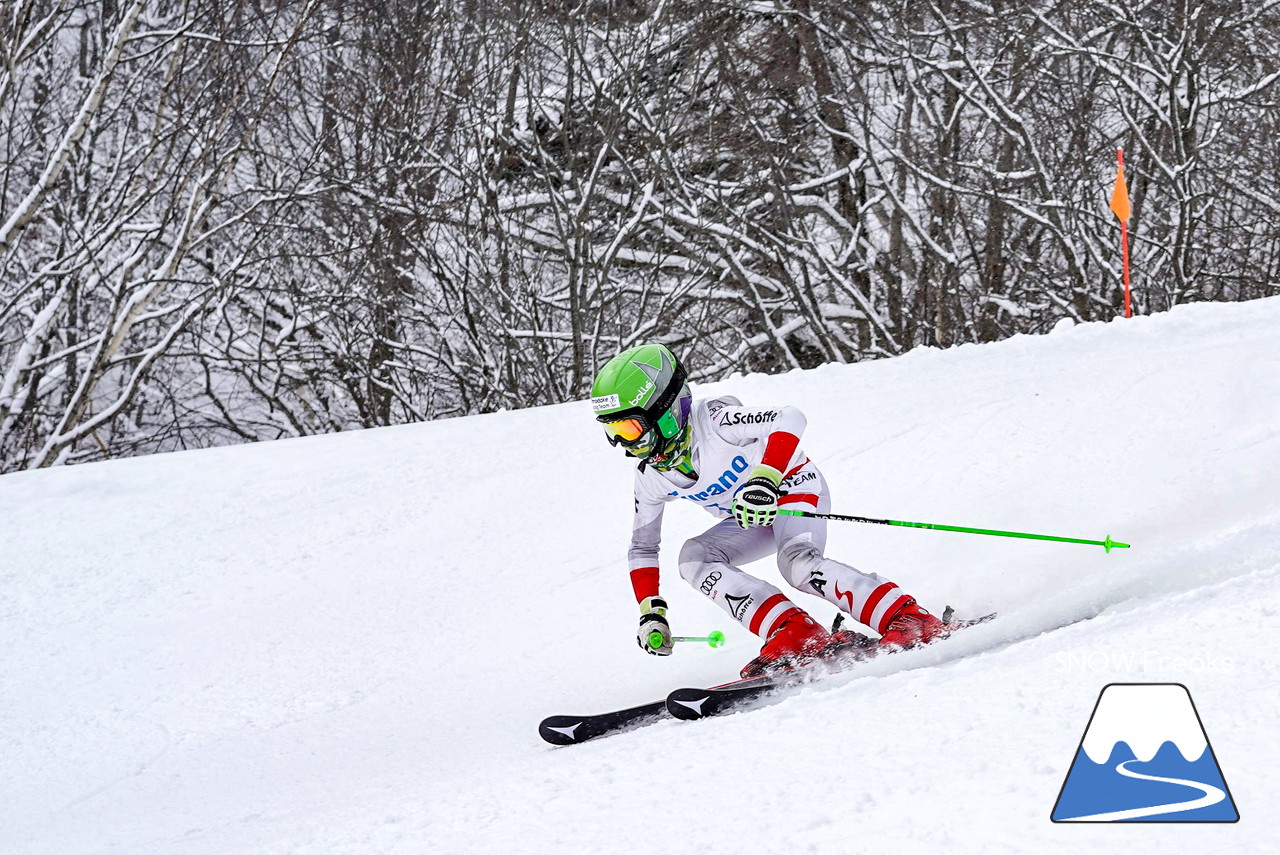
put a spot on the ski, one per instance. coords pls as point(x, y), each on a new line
point(690, 703)
point(572, 729)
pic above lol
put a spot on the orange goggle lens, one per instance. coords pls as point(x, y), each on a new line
point(627, 430)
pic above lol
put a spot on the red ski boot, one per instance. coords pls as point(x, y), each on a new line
point(912, 626)
point(797, 640)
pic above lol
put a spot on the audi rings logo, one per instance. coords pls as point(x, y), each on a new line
point(709, 583)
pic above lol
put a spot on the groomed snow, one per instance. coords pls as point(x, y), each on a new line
point(344, 644)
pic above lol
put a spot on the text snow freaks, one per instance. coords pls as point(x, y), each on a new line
point(1142, 661)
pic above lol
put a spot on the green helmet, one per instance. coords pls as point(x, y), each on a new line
point(643, 401)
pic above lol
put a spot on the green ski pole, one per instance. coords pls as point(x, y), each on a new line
point(715, 639)
point(1107, 544)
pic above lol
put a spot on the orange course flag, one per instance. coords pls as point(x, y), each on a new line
point(1120, 197)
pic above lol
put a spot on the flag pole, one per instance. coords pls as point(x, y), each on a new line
point(1120, 205)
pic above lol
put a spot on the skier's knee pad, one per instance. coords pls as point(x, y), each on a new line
point(695, 560)
point(695, 551)
point(797, 559)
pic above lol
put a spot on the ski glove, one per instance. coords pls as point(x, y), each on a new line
point(757, 501)
point(653, 618)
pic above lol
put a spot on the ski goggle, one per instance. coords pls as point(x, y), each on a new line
point(625, 431)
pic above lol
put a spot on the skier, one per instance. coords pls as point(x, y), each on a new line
point(741, 464)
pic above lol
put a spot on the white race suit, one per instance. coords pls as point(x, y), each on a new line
point(729, 441)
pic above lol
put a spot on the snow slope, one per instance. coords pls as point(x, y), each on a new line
point(343, 644)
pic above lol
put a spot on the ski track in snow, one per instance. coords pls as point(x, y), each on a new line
point(344, 644)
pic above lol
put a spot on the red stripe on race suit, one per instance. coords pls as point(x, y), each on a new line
point(764, 609)
point(869, 607)
point(781, 619)
point(796, 469)
point(644, 581)
point(793, 498)
point(780, 448)
point(890, 612)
